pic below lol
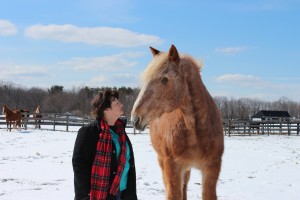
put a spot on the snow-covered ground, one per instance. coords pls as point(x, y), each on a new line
point(36, 164)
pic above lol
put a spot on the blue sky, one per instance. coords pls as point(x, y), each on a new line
point(249, 48)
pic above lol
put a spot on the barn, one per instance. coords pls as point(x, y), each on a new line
point(271, 115)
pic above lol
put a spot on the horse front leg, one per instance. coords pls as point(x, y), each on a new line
point(187, 175)
point(18, 124)
point(7, 124)
point(173, 178)
point(210, 176)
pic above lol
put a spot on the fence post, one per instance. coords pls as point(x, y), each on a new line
point(67, 127)
point(280, 128)
point(54, 121)
point(25, 120)
point(229, 128)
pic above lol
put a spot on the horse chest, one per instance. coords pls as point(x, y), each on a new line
point(172, 140)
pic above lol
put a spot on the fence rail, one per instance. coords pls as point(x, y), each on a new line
point(241, 127)
point(53, 120)
point(49, 119)
point(230, 127)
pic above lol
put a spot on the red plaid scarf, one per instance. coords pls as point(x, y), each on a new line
point(101, 166)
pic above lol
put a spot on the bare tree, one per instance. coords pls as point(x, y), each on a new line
point(78, 101)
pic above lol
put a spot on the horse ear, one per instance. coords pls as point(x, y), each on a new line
point(154, 51)
point(173, 54)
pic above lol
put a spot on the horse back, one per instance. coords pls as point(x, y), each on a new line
point(14, 115)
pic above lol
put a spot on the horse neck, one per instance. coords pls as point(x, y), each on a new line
point(7, 111)
point(201, 103)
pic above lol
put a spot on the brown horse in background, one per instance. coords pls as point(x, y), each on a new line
point(185, 124)
point(11, 116)
point(36, 116)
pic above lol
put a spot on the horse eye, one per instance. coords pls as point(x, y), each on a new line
point(164, 80)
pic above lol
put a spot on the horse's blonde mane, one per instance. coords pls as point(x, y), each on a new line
point(198, 64)
point(157, 66)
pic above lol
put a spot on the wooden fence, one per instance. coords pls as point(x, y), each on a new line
point(242, 127)
point(49, 120)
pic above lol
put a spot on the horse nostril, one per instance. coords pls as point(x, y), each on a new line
point(135, 120)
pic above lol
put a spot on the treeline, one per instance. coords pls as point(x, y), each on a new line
point(78, 101)
point(58, 100)
point(244, 108)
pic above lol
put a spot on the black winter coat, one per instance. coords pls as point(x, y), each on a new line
point(83, 157)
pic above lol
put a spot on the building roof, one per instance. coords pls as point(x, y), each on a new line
point(271, 114)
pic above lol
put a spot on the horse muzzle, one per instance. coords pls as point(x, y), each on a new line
point(138, 123)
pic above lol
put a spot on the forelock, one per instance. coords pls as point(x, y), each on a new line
point(158, 65)
point(155, 67)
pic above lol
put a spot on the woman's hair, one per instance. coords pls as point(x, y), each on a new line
point(103, 101)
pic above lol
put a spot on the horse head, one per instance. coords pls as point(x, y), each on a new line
point(38, 109)
point(4, 109)
point(164, 87)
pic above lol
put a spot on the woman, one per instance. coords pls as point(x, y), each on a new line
point(103, 160)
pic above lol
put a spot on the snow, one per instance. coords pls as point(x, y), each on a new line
point(36, 164)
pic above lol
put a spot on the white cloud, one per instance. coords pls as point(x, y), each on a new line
point(242, 86)
point(100, 36)
point(127, 79)
point(250, 81)
point(18, 72)
point(113, 80)
point(231, 50)
point(7, 28)
point(107, 63)
point(98, 79)
point(237, 78)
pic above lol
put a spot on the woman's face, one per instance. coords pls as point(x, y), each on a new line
point(116, 108)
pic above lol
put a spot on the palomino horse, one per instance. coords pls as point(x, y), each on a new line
point(12, 116)
point(185, 124)
point(36, 116)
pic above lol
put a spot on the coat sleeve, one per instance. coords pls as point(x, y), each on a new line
point(82, 163)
